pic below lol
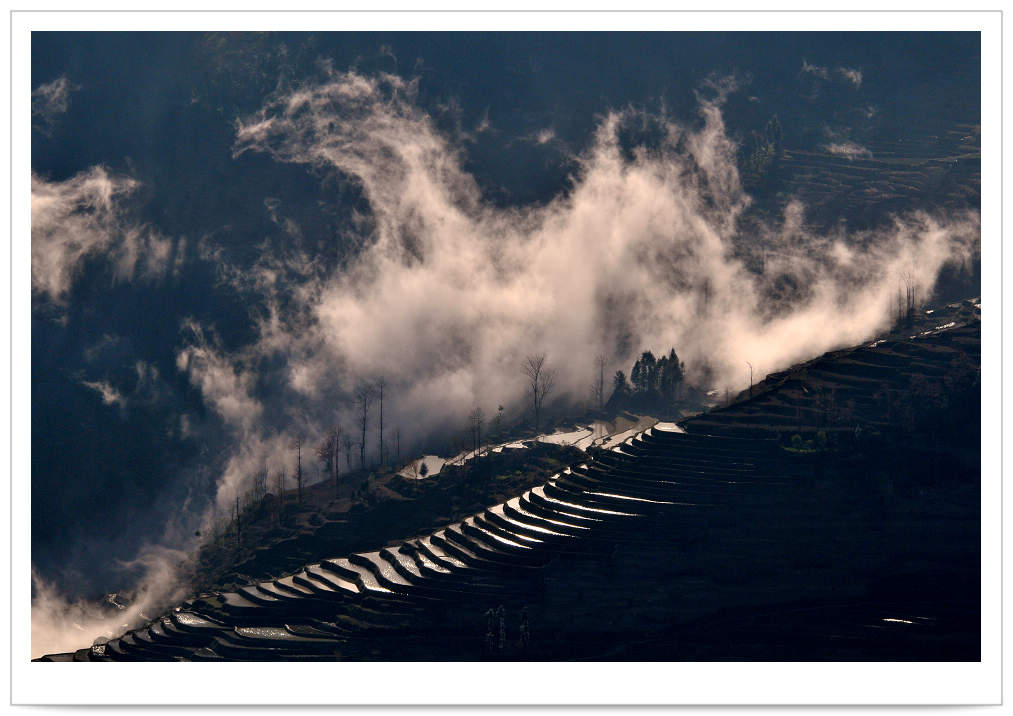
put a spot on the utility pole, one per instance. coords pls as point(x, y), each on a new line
point(750, 378)
point(363, 396)
point(237, 521)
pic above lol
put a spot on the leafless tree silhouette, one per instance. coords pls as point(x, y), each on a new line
point(475, 418)
point(380, 385)
point(599, 387)
point(363, 397)
point(541, 380)
point(297, 444)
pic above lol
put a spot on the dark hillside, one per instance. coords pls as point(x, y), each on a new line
point(834, 515)
point(277, 537)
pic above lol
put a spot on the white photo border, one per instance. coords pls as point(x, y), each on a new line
point(508, 683)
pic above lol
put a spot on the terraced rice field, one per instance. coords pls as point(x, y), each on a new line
point(713, 543)
point(942, 170)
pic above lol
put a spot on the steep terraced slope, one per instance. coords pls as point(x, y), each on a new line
point(716, 543)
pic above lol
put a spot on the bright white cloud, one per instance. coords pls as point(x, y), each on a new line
point(83, 217)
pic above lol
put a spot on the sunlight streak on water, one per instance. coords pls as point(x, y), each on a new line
point(627, 497)
point(498, 510)
point(516, 504)
point(571, 505)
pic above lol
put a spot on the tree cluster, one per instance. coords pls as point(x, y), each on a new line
point(907, 301)
point(663, 376)
point(653, 384)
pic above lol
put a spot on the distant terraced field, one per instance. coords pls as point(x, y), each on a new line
point(919, 171)
point(852, 388)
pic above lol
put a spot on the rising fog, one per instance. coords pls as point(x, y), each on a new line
point(645, 250)
point(60, 624)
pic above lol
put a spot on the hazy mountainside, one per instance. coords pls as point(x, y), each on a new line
point(367, 510)
point(671, 546)
point(931, 362)
point(218, 238)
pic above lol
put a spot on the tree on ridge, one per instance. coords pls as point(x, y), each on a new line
point(363, 397)
point(541, 381)
point(297, 444)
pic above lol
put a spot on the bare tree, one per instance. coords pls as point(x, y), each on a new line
point(541, 380)
point(325, 452)
point(335, 439)
point(363, 397)
point(260, 485)
point(475, 418)
point(497, 424)
point(348, 444)
point(380, 384)
point(599, 388)
point(911, 302)
point(297, 444)
point(280, 482)
point(328, 453)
